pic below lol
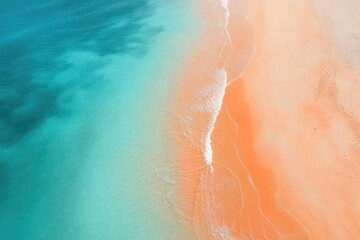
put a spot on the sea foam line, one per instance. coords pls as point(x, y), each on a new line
point(216, 101)
point(215, 93)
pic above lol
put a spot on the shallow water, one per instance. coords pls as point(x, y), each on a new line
point(83, 89)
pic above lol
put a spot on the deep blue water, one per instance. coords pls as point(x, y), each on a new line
point(35, 36)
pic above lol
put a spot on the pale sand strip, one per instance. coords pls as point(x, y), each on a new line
point(303, 103)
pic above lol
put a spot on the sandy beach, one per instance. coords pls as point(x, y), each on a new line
point(285, 139)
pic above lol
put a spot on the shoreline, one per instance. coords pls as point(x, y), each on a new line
point(266, 125)
point(206, 185)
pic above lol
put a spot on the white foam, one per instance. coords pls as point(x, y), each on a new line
point(224, 3)
point(210, 98)
point(216, 102)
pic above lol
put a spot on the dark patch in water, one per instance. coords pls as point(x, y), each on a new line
point(34, 38)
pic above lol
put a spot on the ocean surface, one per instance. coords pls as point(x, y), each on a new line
point(84, 88)
point(179, 120)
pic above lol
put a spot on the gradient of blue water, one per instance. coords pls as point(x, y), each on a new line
point(79, 84)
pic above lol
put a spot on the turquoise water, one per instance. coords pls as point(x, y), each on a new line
point(84, 88)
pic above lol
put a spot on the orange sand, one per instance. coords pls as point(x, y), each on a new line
point(295, 90)
point(286, 141)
